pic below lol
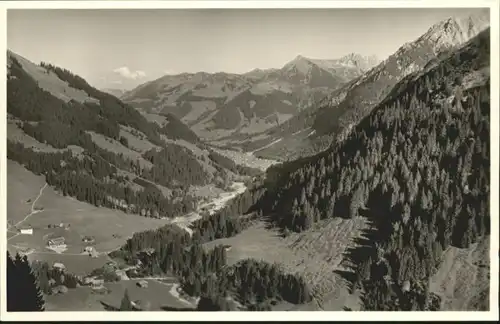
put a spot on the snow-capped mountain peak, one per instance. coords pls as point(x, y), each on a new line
point(456, 30)
point(358, 60)
point(303, 65)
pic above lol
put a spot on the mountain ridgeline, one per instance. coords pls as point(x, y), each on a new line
point(92, 144)
point(228, 106)
point(331, 118)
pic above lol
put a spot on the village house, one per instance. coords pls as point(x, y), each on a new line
point(56, 242)
point(93, 282)
point(26, 231)
point(97, 283)
point(91, 251)
point(59, 266)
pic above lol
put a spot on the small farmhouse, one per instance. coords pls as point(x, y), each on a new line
point(56, 242)
point(26, 231)
point(406, 286)
point(59, 266)
point(96, 283)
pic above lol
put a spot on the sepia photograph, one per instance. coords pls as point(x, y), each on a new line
point(248, 158)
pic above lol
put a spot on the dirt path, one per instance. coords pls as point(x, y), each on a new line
point(33, 211)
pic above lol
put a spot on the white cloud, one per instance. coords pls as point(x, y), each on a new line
point(127, 74)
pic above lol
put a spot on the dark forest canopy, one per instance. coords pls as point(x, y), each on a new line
point(94, 181)
point(417, 167)
point(174, 163)
point(171, 250)
point(23, 292)
point(94, 177)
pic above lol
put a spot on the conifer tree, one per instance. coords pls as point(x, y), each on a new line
point(126, 304)
point(23, 293)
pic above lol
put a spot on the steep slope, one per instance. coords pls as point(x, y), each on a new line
point(92, 146)
point(115, 92)
point(221, 105)
point(332, 118)
point(410, 57)
point(417, 168)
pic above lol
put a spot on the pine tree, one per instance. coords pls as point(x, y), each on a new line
point(23, 293)
point(126, 304)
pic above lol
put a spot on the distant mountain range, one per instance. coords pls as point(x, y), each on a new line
point(331, 118)
point(223, 104)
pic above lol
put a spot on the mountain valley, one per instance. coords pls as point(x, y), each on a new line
point(349, 184)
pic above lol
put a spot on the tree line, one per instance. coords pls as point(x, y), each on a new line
point(92, 180)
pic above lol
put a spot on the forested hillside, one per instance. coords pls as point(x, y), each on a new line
point(112, 165)
point(348, 184)
point(417, 167)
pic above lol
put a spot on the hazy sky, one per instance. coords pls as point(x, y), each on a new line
point(123, 48)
